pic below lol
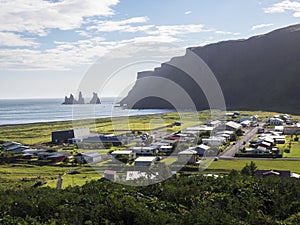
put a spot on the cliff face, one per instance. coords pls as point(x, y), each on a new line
point(260, 73)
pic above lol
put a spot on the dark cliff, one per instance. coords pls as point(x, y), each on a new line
point(260, 73)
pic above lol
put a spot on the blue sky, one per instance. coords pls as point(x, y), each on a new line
point(46, 47)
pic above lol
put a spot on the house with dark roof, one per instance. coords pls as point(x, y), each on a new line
point(276, 173)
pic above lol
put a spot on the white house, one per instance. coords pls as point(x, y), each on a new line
point(233, 126)
point(129, 154)
point(134, 175)
point(201, 129)
point(166, 148)
point(246, 123)
point(214, 141)
point(214, 123)
point(276, 121)
point(279, 129)
point(145, 150)
point(145, 161)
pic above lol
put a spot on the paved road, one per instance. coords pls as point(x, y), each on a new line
point(230, 152)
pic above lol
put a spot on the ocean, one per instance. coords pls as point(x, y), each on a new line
point(25, 111)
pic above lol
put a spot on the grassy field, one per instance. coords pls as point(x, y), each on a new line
point(32, 134)
point(228, 165)
point(19, 175)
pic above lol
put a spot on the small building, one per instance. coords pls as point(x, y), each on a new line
point(291, 130)
point(232, 126)
point(135, 175)
point(214, 123)
point(202, 129)
point(88, 157)
point(152, 150)
point(279, 129)
point(246, 123)
point(276, 121)
point(201, 149)
point(145, 161)
point(11, 144)
point(110, 175)
point(57, 157)
point(114, 140)
point(104, 139)
point(16, 148)
point(188, 156)
point(276, 173)
point(214, 141)
point(63, 136)
point(121, 156)
point(166, 149)
point(43, 155)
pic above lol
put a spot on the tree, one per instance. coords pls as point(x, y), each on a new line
point(233, 137)
point(239, 132)
point(249, 170)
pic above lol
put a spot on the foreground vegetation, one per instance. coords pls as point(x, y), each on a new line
point(232, 199)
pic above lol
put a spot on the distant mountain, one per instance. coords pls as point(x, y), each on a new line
point(260, 73)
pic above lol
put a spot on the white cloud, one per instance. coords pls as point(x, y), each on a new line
point(284, 6)
point(14, 40)
point(260, 26)
point(188, 12)
point(67, 55)
point(178, 29)
point(121, 25)
point(39, 16)
point(226, 32)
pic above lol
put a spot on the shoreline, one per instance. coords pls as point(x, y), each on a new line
point(72, 120)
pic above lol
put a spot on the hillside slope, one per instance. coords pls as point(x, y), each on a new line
point(260, 73)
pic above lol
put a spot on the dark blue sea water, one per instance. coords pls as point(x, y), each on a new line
point(46, 110)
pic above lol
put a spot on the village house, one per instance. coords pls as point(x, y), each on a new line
point(214, 141)
point(63, 136)
point(201, 129)
point(151, 150)
point(276, 121)
point(10, 144)
point(166, 149)
point(201, 149)
point(291, 130)
point(188, 156)
point(88, 157)
point(135, 175)
point(279, 129)
point(232, 126)
point(124, 154)
point(214, 123)
point(16, 148)
point(276, 173)
point(145, 161)
point(246, 123)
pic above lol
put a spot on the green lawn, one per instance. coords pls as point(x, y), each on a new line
point(168, 161)
point(295, 148)
point(228, 165)
point(19, 175)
